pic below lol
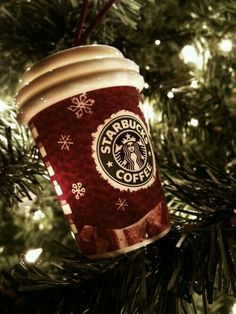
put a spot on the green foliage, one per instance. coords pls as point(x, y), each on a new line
point(33, 29)
point(158, 279)
point(19, 164)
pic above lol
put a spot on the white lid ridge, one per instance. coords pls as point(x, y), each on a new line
point(73, 71)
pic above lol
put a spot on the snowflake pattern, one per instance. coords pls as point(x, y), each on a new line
point(66, 141)
point(81, 105)
point(121, 204)
point(78, 190)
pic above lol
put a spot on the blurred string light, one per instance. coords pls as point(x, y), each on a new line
point(226, 45)
point(170, 95)
point(146, 85)
point(41, 226)
point(38, 215)
point(3, 106)
point(234, 309)
point(194, 84)
point(193, 122)
point(32, 255)
point(191, 55)
point(157, 42)
point(148, 111)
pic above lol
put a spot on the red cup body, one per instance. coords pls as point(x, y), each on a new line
point(100, 160)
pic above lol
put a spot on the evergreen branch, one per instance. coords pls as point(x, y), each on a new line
point(19, 168)
point(52, 24)
point(149, 280)
point(203, 187)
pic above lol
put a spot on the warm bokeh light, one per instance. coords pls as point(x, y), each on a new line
point(157, 42)
point(170, 94)
point(38, 215)
point(190, 55)
point(148, 111)
point(234, 309)
point(226, 45)
point(198, 57)
point(194, 84)
point(146, 85)
point(3, 106)
point(193, 122)
point(32, 255)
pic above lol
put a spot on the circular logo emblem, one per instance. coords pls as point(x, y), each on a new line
point(123, 153)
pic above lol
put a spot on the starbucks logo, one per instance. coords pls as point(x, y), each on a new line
point(123, 153)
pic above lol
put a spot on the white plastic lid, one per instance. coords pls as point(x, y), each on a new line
point(73, 71)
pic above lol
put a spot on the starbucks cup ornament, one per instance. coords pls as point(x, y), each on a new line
point(82, 107)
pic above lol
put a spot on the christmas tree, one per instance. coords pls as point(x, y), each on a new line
point(186, 54)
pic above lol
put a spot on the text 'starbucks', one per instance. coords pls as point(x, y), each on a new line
point(123, 153)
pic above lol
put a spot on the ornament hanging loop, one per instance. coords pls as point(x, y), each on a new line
point(81, 39)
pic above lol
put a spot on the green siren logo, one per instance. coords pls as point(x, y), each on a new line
point(123, 153)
